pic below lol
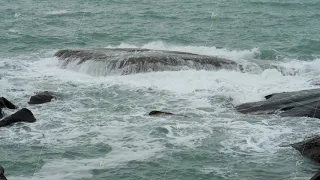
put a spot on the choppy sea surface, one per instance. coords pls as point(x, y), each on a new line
point(98, 127)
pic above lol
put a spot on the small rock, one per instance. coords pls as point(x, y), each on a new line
point(157, 113)
point(2, 177)
point(41, 98)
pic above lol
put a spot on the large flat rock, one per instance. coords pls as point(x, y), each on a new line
point(134, 60)
point(303, 103)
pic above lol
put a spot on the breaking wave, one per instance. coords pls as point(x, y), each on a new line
point(123, 63)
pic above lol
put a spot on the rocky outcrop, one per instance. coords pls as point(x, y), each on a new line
point(23, 115)
point(303, 103)
point(4, 103)
point(316, 176)
point(309, 148)
point(134, 60)
point(2, 176)
point(41, 98)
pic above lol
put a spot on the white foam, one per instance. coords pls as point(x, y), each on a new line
point(211, 51)
point(129, 134)
point(57, 12)
point(253, 137)
point(242, 87)
point(303, 68)
point(16, 15)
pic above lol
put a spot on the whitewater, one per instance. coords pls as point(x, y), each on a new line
point(98, 127)
point(100, 123)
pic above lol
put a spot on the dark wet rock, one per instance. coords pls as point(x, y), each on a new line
point(23, 115)
point(157, 113)
point(162, 113)
point(41, 98)
point(309, 148)
point(1, 114)
point(5, 103)
point(268, 96)
point(303, 103)
point(2, 177)
point(135, 60)
point(316, 176)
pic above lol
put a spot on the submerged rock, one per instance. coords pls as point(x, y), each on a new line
point(309, 148)
point(23, 115)
point(158, 113)
point(315, 81)
point(316, 176)
point(41, 98)
point(2, 177)
point(135, 60)
point(162, 113)
point(4, 103)
point(303, 103)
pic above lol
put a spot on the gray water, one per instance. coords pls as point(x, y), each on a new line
point(98, 127)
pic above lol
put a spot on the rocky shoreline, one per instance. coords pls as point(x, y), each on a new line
point(286, 104)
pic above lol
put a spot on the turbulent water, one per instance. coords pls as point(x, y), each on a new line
point(98, 127)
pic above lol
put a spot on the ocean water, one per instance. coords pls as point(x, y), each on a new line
point(98, 128)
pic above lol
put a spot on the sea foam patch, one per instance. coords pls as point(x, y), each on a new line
point(86, 115)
